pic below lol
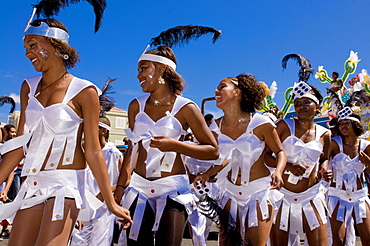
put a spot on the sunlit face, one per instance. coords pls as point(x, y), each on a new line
point(39, 51)
point(148, 75)
point(346, 127)
point(225, 92)
point(12, 133)
point(305, 107)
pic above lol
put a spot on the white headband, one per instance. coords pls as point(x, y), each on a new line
point(345, 113)
point(45, 30)
point(351, 118)
point(302, 90)
point(156, 58)
point(105, 126)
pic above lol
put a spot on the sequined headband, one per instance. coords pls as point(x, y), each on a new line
point(45, 30)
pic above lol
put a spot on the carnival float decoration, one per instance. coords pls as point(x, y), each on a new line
point(337, 89)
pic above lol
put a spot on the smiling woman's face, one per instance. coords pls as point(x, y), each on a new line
point(39, 51)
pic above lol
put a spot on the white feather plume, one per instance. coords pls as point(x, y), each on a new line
point(273, 89)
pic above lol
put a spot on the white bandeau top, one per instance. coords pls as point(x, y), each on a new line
point(345, 169)
point(243, 152)
point(303, 153)
point(53, 127)
point(144, 128)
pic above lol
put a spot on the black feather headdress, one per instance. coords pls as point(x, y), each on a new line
point(335, 100)
point(106, 102)
point(183, 34)
point(5, 99)
point(305, 66)
point(49, 8)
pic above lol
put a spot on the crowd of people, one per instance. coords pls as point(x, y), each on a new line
point(261, 179)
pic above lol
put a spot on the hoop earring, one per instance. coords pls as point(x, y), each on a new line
point(161, 80)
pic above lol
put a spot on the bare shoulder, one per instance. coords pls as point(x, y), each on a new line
point(367, 149)
point(133, 108)
point(189, 112)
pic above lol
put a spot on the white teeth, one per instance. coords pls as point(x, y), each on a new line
point(142, 81)
point(217, 97)
point(33, 60)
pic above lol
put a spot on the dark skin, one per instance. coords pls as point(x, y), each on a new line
point(234, 124)
point(305, 130)
point(189, 116)
point(351, 144)
point(86, 106)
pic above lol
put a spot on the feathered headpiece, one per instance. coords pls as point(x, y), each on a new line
point(49, 8)
point(335, 100)
point(183, 34)
point(106, 102)
point(175, 36)
point(5, 99)
point(305, 71)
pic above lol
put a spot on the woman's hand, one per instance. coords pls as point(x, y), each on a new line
point(163, 143)
point(123, 213)
point(364, 158)
point(276, 181)
point(118, 194)
point(79, 225)
point(3, 196)
point(203, 177)
point(297, 169)
point(325, 174)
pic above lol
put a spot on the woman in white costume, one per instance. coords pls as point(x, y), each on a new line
point(348, 199)
point(57, 108)
point(247, 185)
point(158, 188)
point(302, 210)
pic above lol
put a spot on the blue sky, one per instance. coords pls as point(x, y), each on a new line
point(256, 35)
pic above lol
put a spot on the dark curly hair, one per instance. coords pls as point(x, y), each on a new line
point(357, 126)
point(60, 46)
point(174, 79)
point(251, 90)
point(317, 93)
